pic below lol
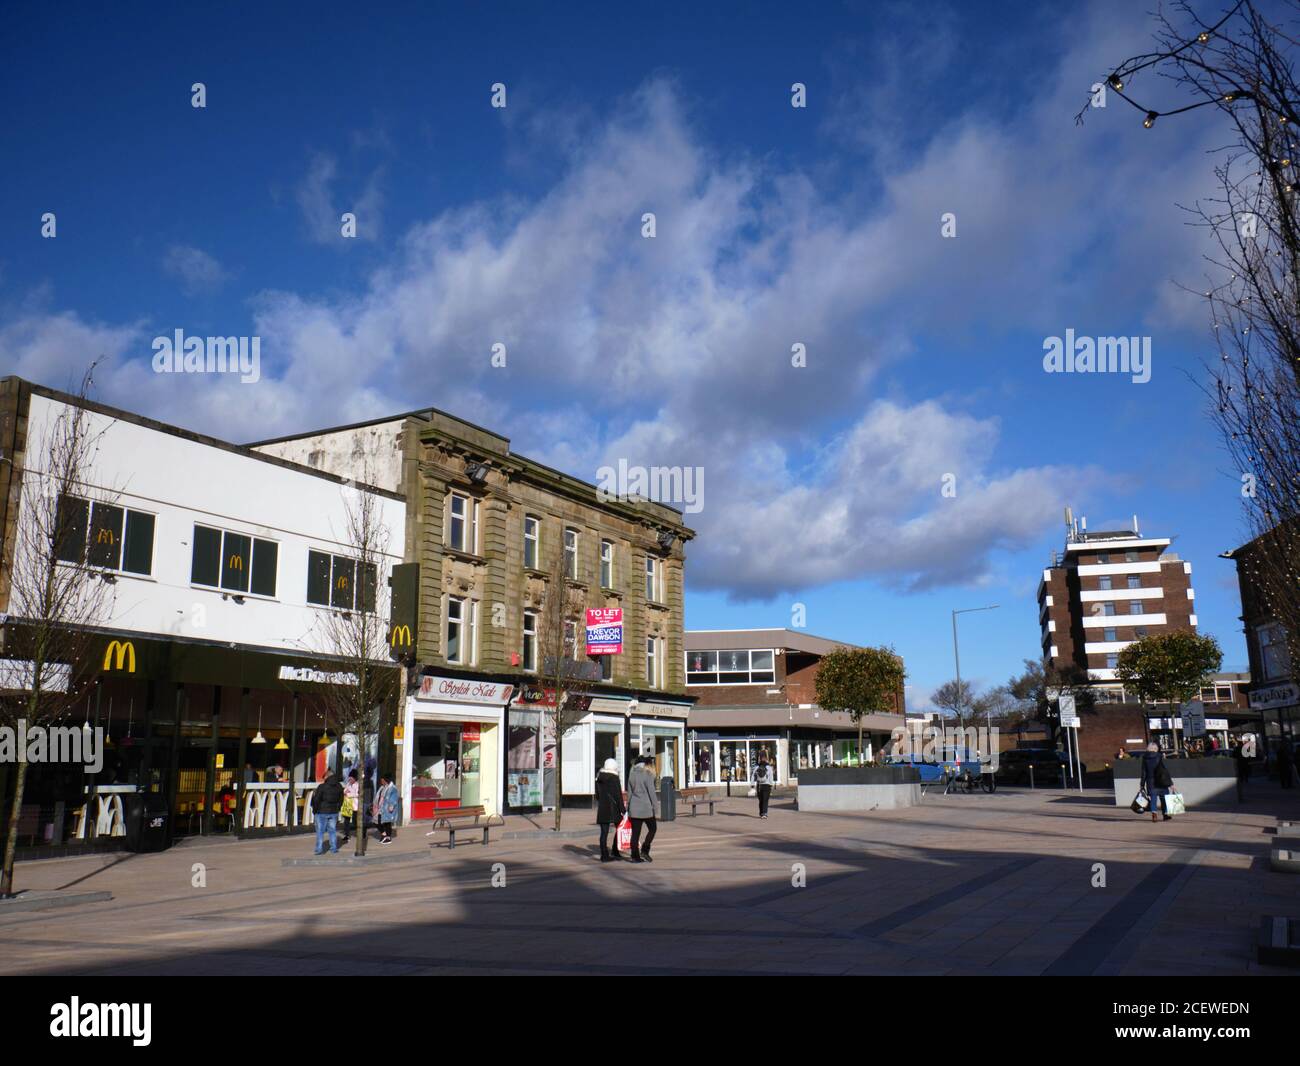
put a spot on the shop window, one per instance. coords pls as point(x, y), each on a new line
point(524, 759)
point(235, 562)
point(704, 760)
point(733, 667)
point(103, 535)
point(532, 541)
point(340, 582)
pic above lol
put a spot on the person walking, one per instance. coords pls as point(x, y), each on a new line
point(763, 783)
point(643, 806)
point(325, 806)
point(1156, 781)
point(348, 812)
point(1242, 761)
point(609, 808)
point(388, 804)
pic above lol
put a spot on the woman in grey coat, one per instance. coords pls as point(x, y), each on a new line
point(642, 807)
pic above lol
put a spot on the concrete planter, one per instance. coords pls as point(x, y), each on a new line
point(864, 788)
point(1201, 781)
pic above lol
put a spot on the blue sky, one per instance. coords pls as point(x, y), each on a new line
point(774, 226)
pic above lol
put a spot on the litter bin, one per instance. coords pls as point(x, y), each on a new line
point(148, 822)
point(667, 800)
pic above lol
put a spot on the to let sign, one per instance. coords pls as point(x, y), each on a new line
point(605, 631)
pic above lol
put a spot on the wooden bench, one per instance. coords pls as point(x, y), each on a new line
point(460, 819)
point(694, 797)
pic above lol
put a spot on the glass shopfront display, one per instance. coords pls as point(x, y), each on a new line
point(720, 761)
point(447, 766)
point(704, 762)
point(524, 759)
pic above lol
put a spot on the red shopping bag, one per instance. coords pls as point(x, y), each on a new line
point(625, 834)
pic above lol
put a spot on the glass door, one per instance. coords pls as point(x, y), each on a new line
point(470, 765)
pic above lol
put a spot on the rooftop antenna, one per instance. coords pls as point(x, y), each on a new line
point(1083, 524)
point(1069, 523)
point(1135, 526)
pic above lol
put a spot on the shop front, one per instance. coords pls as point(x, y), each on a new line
point(235, 739)
point(451, 744)
point(616, 727)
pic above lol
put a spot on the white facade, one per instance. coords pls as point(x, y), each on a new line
point(183, 482)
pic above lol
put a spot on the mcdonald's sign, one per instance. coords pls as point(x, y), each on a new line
point(236, 562)
point(401, 637)
point(120, 652)
point(105, 536)
point(342, 582)
point(403, 619)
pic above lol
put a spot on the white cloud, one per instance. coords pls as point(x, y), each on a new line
point(198, 271)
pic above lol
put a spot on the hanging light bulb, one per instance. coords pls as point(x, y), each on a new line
point(259, 739)
point(1150, 120)
point(280, 745)
point(1115, 81)
point(1203, 36)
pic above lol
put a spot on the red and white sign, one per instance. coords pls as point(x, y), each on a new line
point(471, 732)
point(462, 690)
point(604, 630)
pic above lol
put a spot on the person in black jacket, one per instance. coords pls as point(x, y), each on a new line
point(1156, 780)
point(609, 808)
point(325, 804)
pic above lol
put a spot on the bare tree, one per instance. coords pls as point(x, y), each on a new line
point(351, 638)
point(561, 671)
point(58, 596)
point(1240, 68)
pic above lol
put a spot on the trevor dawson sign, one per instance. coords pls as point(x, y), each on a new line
point(605, 631)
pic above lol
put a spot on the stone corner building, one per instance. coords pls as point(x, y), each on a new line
point(483, 528)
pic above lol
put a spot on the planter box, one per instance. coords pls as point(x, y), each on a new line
point(860, 788)
point(1201, 781)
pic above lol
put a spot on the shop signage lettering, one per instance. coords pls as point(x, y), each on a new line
point(1274, 696)
point(316, 677)
point(461, 690)
point(605, 631)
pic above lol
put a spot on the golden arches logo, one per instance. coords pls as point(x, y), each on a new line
point(105, 536)
point(125, 653)
point(401, 637)
point(341, 583)
point(236, 562)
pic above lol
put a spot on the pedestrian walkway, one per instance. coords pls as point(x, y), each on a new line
point(1020, 882)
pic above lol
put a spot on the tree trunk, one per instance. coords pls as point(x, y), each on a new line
point(859, 740)
point(559, 771)
point(11, 832)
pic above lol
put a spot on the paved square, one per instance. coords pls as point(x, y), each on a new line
point(975, 884)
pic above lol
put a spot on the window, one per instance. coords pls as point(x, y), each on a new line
point(1130, 556)
point(606, 663)
point(1108, 609)
point(1134, 606)
point(571, 554)
point(1140, 632)
point(1274, 660)
point(463, 526)
point(606, 565)
point(1134, 581)
point(530, 640)
point(235, 562)
point(532, 541)
point(652, 662)
point(1104, 583)
point(1109, 634)
point(1112, 661)
point(745, 667)
point(1103, 558)
point(332, 581)
point(103, 535)
point(462, 630)
point(653, 579)
point(570, 639)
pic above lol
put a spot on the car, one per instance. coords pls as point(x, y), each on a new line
point(1047, 763)
point(932, 768)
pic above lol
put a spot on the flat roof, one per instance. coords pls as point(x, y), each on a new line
point(121, 415)
point(737, 639)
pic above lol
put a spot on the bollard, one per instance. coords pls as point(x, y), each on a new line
point(1031, 777)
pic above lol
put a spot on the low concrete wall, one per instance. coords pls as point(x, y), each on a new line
point(865, 788)
point(1201, 781)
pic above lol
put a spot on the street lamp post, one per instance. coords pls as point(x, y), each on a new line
point(956, 659)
